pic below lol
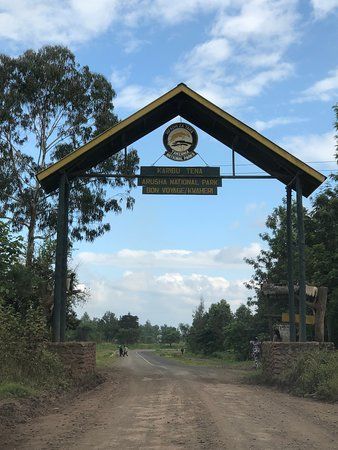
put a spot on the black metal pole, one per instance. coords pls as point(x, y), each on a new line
point(59, 259)
point(233, 164)
point(290, 264)
point(301, 251)
point(63, 309)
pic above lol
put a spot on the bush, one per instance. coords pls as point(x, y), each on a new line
point(23, 356)
point(313, 374)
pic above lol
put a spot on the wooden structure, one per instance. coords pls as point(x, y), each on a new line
point(316, 299)
point(239, 137)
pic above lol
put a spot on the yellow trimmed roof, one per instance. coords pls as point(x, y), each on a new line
point(194, 108)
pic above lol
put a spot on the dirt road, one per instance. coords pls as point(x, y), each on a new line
point(153, 403)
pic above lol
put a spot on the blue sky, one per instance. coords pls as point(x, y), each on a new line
point(271, 63)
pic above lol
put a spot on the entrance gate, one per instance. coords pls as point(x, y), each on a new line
point(240, 138)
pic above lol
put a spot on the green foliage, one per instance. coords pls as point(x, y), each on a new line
point(313, 374)
point(16, 390)
point(86, 330)
point(169, 335)
point(208, 330)
point(198, 332)
point(108, 326)
point(184, 330)
point(129, 329)
point(239, 333)
point(219, 317)
point(25, 287)
point(23, 357)
point(49, 105)
point(149, 333)
point(11, 251)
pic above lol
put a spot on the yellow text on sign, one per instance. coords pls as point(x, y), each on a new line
point(310, 320)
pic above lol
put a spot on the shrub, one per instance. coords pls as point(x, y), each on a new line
point(23, 356)
point(313, 374)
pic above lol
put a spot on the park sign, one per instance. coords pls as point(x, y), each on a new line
point(180, 140)
point(179, 180)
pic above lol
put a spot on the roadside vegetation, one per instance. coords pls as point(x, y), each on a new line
point(26, 367)
point(216, 360)
point(106, 354)
point(313, 374)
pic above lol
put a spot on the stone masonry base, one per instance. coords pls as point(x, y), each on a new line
point(79, 358)
point(277, 356)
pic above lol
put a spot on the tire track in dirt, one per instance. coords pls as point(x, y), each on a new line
point(160, 405)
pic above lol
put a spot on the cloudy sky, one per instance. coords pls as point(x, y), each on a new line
point(271, 63)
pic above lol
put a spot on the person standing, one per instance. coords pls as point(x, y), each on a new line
point(256, 351)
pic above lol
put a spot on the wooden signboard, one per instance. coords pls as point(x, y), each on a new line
point(172, 190)
point(155, 171)
point(310, 320)
point(180, 180)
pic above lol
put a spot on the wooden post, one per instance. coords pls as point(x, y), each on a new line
point(60, 258)
point(320, 308)
point(301, 251)
point(63, 309)
point(291, 291)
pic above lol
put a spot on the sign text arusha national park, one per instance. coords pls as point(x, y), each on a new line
point(180, 180)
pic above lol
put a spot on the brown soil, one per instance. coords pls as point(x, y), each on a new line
point(148, 402)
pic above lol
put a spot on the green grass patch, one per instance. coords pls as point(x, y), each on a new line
point(191, 359)
point(16, 390)
point(312, 374)
point(106, 354)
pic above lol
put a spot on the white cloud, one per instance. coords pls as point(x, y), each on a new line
point(120, 77)
point(254, 207)
point(325, 89)
point(228, 257)
point(176, 12)
point(134, 97)
point(36, 22)
point(262, 125)
point(259, 21)
point(249, 39)
point(207, 56)
point(254, 85)
point(322, 8)
point(171, 295)
point(312, 147)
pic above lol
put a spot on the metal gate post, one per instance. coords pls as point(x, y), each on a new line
point(301, 251)
point(60, 258)
point(290, 263)
point(63, 309)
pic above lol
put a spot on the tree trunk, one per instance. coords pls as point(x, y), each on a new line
point(320, 308)
point(30, 238)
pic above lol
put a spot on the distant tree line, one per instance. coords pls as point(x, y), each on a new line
point(213, 331)
point(125, 330)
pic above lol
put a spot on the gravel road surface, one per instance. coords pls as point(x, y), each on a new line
point(149, 402)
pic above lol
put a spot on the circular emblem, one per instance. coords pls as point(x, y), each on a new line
point(180, 141)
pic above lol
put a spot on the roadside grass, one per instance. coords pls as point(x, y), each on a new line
point(140, 346)
point(33, 373)
point(191, 359)
point(312, 374)
point(16, 390)
point(106, 354)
